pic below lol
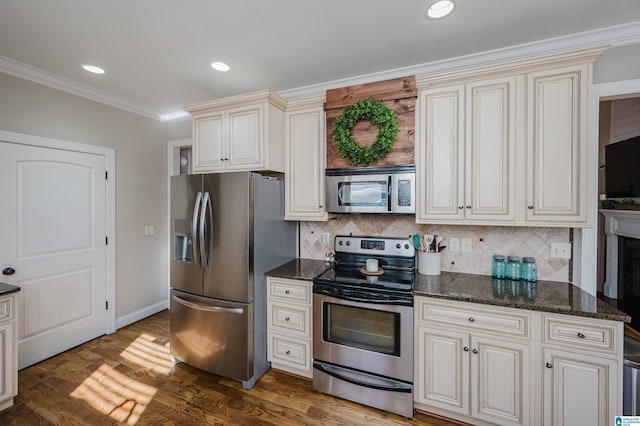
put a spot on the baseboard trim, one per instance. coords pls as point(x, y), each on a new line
point(125, 320)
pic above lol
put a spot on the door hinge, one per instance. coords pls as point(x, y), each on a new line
point(106, 241)
point(106, 305)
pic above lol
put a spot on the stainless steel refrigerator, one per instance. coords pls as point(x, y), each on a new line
point(227, 230)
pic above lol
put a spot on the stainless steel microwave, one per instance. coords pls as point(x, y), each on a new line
point(371, 190)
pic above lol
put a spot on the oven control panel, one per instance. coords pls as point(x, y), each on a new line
point(379, 246)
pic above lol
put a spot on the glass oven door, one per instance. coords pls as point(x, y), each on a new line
point(371, 337)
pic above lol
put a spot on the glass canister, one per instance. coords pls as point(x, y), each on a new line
point(528, 270)
point(513, 268)
point(498, 267)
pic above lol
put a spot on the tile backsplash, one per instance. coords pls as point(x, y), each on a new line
point(486, 241)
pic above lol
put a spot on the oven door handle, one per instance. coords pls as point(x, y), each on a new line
point(404, 302)
point(356, 378)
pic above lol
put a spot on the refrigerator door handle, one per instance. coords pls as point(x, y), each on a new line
point(207, 308)
point(206, 230)
point(194, 231)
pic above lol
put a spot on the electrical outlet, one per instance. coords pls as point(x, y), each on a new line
point(560, 251)
point(466, 245)
point(325, 237)
point(149, 230)
point(454, 244)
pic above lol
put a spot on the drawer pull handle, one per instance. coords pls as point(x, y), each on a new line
point(475, 351)
point(288, 352)
point(530, 207)
point(287, 319)
point(466, 349)
point(460, 207)
point(548, 365)
point(580, 335)
point(471, 319)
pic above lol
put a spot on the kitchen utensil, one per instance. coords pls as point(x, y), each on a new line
point(416, 242)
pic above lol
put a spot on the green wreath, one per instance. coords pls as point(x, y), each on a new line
point(377, 113)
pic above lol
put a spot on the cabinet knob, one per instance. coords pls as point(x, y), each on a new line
point(288, 352)
point(580, 335)
point(287, 319)
point(471, 319)
point(530, 207)
point(226, 159)
point(320, 205)
point(286, 292)
point(466, 349)
point(468, 207)
point(475, 351)
point(8, 271)
point(548, 365)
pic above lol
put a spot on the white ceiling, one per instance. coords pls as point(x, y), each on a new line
point(157, 53)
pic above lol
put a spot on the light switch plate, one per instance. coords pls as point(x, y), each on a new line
point(560, 251)
point(325, 237)
point(454, 244)
point(149, 230)
point(467, 245)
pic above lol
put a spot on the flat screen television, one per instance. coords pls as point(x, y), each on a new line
point(622, 169)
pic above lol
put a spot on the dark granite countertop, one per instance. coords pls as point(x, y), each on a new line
point(8, 289)
point(299, 269)
point(545, 296)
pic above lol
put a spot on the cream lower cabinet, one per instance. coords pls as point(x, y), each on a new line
point(8, 352)
point(239, 133)
point(305, 158)
point(467, 366)
point(582, 377)
point(289, 326)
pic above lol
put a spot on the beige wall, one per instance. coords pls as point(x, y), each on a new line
point(140, 147)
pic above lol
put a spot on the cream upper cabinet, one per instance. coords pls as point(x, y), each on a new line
point(239, 133)
point(8, 351)
point(466, 155)
point(506, 144)
point(305, 158)
point(557, 184)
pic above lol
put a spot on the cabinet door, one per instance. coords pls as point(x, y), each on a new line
point(439, 155)
point(579, 390)
point(8, 367)
point(305, 160)
point(245, 138)
point(442, 371)
point(557, 105)
point(490, 150)
point(208, 143)
point(500, 381)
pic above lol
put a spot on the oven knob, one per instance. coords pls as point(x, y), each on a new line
point(406, 246)
point(348, 243)
point(340, 243)
point(398, 246)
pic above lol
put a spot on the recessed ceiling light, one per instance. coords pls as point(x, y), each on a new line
point(440, 9)
point(220, 66)
point(93, 69)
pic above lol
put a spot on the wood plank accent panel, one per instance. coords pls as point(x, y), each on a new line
point(398, 94)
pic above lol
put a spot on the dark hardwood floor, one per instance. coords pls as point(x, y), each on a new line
point(129, 378)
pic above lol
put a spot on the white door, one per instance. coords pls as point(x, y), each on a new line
point(52, 232)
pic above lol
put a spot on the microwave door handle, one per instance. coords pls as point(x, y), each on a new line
point(389, 191)
point(194, 231)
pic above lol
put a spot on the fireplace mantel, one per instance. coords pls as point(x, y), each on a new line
point(624, 223)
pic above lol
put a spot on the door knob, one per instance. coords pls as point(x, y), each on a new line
point(8, 271)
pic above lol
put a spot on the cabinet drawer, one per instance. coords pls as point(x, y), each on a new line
point(6, 308)
point(290, 290)
point(578, 332)
point(290, 319)
point(290, 353)
point(474, 317)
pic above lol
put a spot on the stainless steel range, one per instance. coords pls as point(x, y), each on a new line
point(363, 324)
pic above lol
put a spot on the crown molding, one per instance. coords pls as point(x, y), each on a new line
point(615, 36)
point(37, 75)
